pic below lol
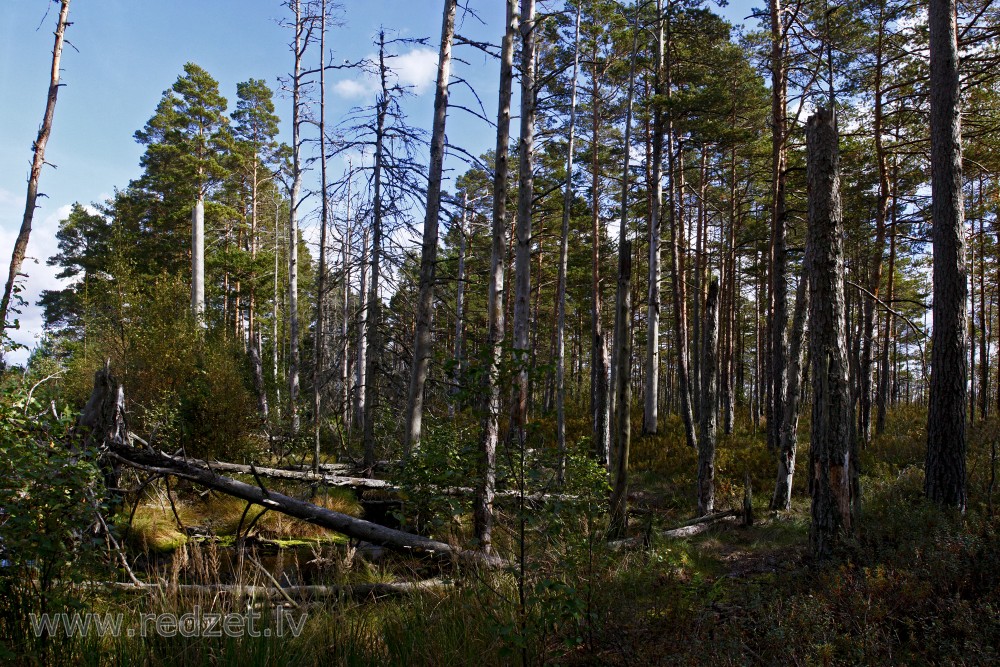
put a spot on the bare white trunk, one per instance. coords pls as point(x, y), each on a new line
point(198, 260)
point(428, 256)
point(563, 261)
point(486, 473)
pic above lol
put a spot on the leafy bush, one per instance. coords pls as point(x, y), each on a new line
point(50, 494)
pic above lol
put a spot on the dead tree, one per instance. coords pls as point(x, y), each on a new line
point(428, 255)
point(830, 449)
point(21, 243)
point(486, 473)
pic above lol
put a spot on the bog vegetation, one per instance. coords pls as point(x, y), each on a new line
point(694, 365)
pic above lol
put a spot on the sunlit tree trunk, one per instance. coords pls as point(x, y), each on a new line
point(830, 450)
point(563, 260)
point(21, 243)
point(709, 402)
point(486, 477)
point(651, 405)
point(428, 256)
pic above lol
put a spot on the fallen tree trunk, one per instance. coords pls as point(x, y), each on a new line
point(297, 592)
point(687, 529)
point(158, 462)
point(361, 482)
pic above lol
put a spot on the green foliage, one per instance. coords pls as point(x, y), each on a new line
point(184, 387)
point(50, 493)
point(446, 458)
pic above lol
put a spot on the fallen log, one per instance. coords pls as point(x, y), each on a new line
point(385, 589)
point(365, 483)
point(158, 462)
point(687, 529)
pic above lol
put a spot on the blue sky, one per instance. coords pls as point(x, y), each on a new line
point(125, 53)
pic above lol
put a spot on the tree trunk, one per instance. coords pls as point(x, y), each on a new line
point(709, 402)
point(650, 415)
point(198, 259)
point(680, 295)
point(525, 191)
point(600, 402)
point(945, 466)
point(319, 342)
point(778, 311)
point(623, 225)
point(459, 310)
point(563, 261)
point(782, 499)
point(374, 317)
point(361, 363)
point(428, 254)
point(623, 390)
point(830, 450)
point(299, 47)
point(21, 243)
point(486, 477)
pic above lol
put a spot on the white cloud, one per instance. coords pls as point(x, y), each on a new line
point(42, 244)
point(416, 70)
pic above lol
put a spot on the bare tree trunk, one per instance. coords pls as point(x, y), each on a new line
point(984, 320)
point(428, 255)
point(778, 311)
point(374, 317)
point(623, 225)
point(680, 295)
point(623, 390)
point(361, 363)
point(299, 48)
point(486, 477)
point(945, 466)
point(459, 308)
point(830, 450)
point(600, 402)
point(875, 271)
point(319, 342)
point(782, 499)
point(882, 397)
point(198, 260)
point(650, 415)
point(345, 314)
point(21, 243)
point(525, 191)
point(709, 402)
point(563, 261)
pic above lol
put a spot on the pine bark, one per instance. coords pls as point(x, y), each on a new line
point(782, 499)
point(709, 402)
point(623, 391)
point(830, 449)
point(650, 415)
point(563, 261)
point(945, 474)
